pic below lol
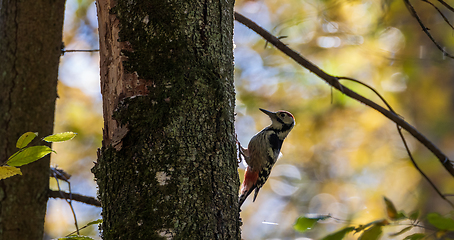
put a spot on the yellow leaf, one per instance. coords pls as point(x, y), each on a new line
point(441, 233)
point(390, 209)
point(8, 171)
point(60, 137)
point(25, 139)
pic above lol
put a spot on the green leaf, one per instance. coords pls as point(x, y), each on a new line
point(28, 155)
point(401, 231)
point(339, 234)
point(94, 222)
point(60, 137)
point(305, 223)
point(7, 171)
point(415, 236)
point(380, 222)
point(440, 222)
point(372, 233)
point(76, 238)
point(390, 209)
point(414, 215)
point(25, 139)
point(400, 215)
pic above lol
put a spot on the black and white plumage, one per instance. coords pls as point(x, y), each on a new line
point(263, 151)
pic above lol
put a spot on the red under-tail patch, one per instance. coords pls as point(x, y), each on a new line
point(250, 178)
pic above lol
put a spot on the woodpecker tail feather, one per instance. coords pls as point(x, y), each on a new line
point(256, 193)
point(249, 184)
point(243, 197)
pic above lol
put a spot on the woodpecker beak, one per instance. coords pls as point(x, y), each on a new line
point(269, 113)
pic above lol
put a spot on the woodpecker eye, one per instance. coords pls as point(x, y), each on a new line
point(282, 115)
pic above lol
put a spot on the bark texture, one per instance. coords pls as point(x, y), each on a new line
point(167, 168)
point(30, 46)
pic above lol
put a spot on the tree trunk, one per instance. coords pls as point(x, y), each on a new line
point(168, 166)
point(30, 44)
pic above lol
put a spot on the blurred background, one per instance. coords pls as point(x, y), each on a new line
point(342, 157)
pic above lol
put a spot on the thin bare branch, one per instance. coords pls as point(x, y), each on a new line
point(334, 82)
point(446, 5)
point(439, 11)
point(59, 174)
point(372, 89)
point(403, 139)
point(89, 224)
point(419, 170)
point(425, 29)
point(68, 200)
point(75, 50)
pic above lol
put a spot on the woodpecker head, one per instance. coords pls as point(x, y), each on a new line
point(280, 120)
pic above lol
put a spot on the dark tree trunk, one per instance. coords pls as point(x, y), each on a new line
point(167, 166)
point(30, 44)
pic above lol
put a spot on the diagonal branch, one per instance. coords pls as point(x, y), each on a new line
point(76, 197)
point(76, 50)
point(334, 82)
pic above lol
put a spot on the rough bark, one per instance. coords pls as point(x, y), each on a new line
point(30, 43)
point(167, 167)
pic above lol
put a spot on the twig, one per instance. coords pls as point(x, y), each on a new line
point(76, 197)
point(333, 81)
point(372, 89)
point(426, 30)
point(75, 50)
point(439, 11)
point(403, 140)
point(446, 5)
point(58, 176)
point(87, 225)
point(419, 170)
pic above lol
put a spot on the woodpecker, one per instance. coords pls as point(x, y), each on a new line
point(263, 151)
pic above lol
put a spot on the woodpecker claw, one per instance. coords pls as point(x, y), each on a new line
point(240, 159)
point(242, 152)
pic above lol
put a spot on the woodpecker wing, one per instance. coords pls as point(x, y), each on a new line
point(258, 150)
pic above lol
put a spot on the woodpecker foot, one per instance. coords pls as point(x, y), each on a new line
point(241, 150)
